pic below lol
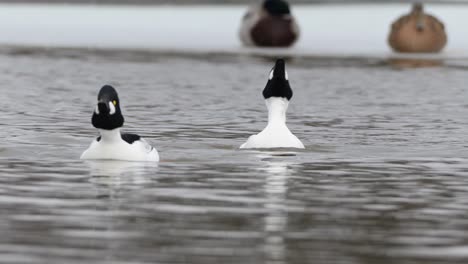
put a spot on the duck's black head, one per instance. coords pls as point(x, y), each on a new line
point(107, 114)
point(278, 83)
point(276, 7)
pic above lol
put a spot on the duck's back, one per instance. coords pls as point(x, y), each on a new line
point(405, 36)
point(271, 31)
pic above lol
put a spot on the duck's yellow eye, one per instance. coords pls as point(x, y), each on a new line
point(114, 102)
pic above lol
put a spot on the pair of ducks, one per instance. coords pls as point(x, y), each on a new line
point(272, 25)
point(114, 145)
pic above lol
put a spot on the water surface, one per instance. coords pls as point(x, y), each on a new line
point(383, 179)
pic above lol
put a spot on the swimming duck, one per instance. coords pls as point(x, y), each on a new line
point(417, 32)
point(112, 144)
point(277, 94)
point(269, 25)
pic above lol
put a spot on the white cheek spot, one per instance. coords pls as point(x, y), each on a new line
point(271, 74)
point(286, 75)
point(96, 110)
point(112, 108)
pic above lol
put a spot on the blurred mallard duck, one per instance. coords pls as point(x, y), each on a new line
point(417, 32)
point(270, 24)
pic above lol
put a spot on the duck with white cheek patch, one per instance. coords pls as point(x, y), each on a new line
point(111, 144)
point(277, 94)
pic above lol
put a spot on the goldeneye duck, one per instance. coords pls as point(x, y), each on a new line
point(277, 94)
point(112, 144)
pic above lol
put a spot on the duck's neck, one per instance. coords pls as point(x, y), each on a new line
point(110, 135)
point(277, 107)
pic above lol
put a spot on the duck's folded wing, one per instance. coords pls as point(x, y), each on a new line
point(130, 138)
point(136, 140)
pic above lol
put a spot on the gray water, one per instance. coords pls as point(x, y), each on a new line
point(384, 178)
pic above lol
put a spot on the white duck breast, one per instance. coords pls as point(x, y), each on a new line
point(277, 94)
point(276, 134)
point(111, 146)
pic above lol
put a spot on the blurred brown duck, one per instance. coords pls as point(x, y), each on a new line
point(269, 25)
point(417, 32)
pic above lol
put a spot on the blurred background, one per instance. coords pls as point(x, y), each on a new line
point(345, 28)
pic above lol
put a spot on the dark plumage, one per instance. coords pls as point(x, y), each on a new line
point(278, 85)
point(269, 25)
point(273, 32)
point(277, 7)
point(130, 138)
point(104, 119)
